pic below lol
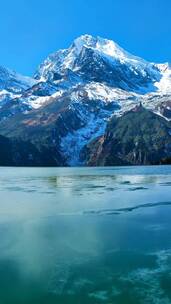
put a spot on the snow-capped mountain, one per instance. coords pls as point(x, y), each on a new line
point(13, 85)
point(76, 91)
point(100, 60)
point(13, 82)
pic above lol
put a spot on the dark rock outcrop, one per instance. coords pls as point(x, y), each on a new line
point(139, 137)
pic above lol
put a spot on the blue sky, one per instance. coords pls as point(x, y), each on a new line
point(31, 29)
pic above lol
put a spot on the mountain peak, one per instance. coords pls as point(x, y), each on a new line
point(86, 40)
point(106, 47)
point(13, 81)
point(101, 60)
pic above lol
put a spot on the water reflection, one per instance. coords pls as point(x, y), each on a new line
point(58, 244)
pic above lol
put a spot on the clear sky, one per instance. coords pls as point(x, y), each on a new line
point(31, 29)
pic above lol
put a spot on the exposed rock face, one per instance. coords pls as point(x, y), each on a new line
point(23, 153)
point(139, 137)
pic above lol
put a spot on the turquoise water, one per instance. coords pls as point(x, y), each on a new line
point(85, 235)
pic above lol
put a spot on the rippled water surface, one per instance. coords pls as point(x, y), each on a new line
point(85, 235)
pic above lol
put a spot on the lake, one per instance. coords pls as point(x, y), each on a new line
point(85, 235)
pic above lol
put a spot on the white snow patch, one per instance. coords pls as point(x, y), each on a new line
point(105, 93)
point(164, 85)
point(37, 102)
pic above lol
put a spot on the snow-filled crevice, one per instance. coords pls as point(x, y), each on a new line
point(73, 142)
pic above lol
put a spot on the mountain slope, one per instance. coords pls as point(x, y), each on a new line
point(139, 137)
